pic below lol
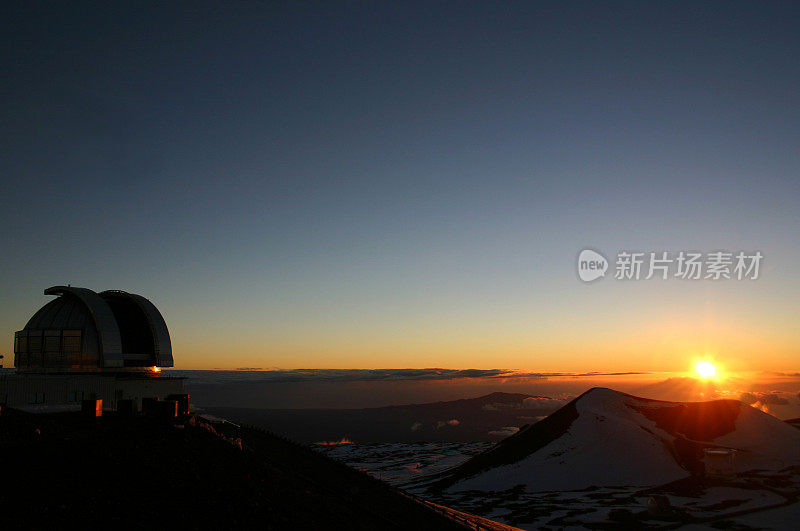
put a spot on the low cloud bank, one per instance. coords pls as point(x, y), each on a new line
point(782, 404)
point(532, 402)
point(543, 402)
point(771, 397)
point(254, 374)
point(340, 442)
point(505, 431)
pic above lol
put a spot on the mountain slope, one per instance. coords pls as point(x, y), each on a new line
point(485, 418)
point(609, 438)
point(134, 473)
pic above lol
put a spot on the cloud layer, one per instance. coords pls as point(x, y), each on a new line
point(255, 374)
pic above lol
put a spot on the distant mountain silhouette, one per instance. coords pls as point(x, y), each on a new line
point(484, 418)
point(606, 437)
point(682, 388)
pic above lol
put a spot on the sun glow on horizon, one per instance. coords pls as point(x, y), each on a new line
point(705, 370)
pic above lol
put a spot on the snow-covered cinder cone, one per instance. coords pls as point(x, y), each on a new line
point(608, 438)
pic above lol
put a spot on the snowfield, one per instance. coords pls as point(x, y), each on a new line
point(608, 438)
point(599, 460)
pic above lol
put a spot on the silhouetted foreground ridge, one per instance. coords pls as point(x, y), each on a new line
point(136, 472)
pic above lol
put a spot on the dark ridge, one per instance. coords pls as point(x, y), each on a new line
point(507, 397)
point(136, 473)
point(496, 397)
point(478, 417)
point(698, 421)
point(694, 424)
point(689, 454)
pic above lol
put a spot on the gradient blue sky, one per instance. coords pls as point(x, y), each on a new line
point(406, 184)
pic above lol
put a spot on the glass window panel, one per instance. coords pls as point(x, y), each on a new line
point(71, 343)
point(35, 343)
point(52, 343)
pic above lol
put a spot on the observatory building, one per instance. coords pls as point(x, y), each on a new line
point(85, 345)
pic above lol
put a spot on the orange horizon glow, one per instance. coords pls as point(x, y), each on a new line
point(666, 347)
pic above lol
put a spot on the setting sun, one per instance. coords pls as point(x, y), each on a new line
point(705, 369)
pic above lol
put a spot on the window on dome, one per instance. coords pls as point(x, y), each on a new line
point(52, 343)
point(34, 343)
point(71, 341)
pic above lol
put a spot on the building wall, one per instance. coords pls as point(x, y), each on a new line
point(44, 389)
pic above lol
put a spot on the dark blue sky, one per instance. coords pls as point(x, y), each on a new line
point(396, 184)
